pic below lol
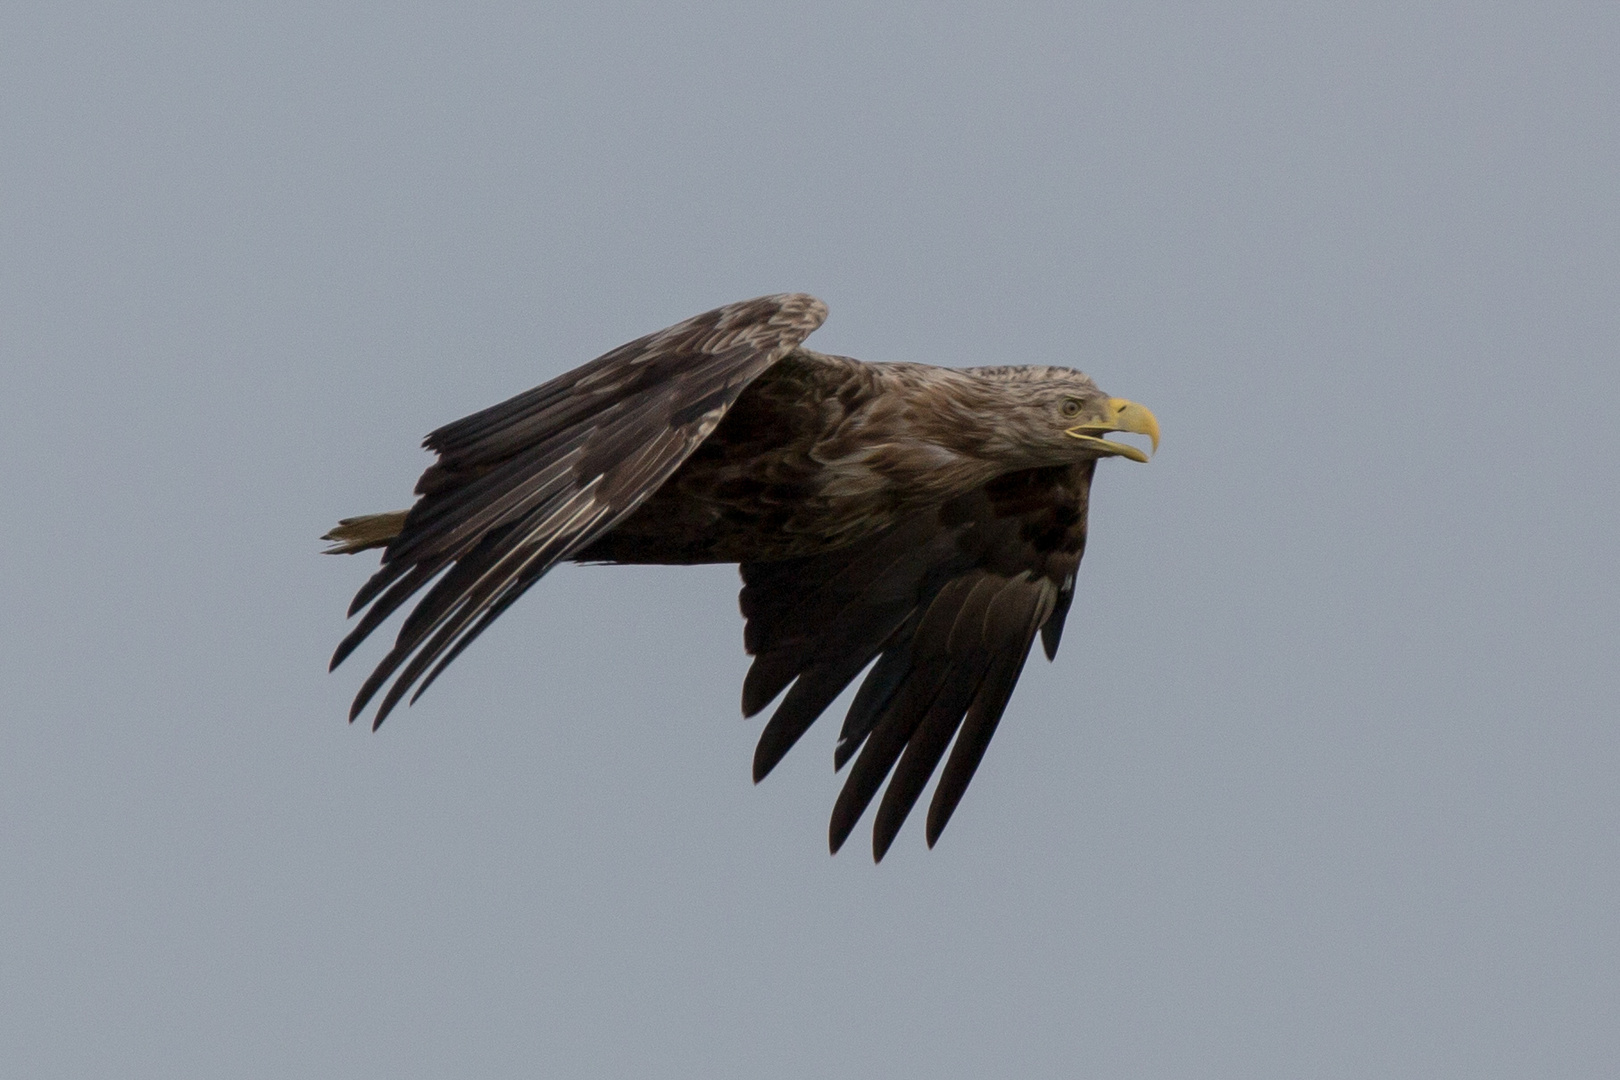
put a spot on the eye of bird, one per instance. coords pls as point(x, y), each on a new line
point(1071, 407)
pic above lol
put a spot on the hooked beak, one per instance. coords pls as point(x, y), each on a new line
point(1122, 415)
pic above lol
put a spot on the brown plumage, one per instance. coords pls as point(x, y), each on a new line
point(928, 519)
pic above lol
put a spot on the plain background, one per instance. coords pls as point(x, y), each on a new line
point(1325, 782)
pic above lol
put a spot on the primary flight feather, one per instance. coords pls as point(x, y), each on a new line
point(928, 519)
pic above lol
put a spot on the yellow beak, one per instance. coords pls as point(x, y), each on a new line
point(1125, 416)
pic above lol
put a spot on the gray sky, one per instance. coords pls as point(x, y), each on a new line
point(1325, 782)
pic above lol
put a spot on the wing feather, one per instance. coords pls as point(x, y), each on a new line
point(948, 603)
point(977, 728)
point(993, 633)
point(526, 483)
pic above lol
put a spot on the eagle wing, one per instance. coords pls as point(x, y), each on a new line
point(524, 484)
point(947, 602)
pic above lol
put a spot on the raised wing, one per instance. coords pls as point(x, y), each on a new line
point(527, 483)
point(948, 603)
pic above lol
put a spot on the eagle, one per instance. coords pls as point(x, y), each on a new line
point(920, 524)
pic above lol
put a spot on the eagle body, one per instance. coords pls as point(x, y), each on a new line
point(822, 451)
point(924, 523)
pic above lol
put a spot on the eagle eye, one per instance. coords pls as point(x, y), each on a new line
point(1071, 407)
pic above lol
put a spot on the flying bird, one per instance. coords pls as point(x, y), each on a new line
point(921, 522)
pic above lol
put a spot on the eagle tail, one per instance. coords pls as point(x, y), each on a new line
point(366, 531)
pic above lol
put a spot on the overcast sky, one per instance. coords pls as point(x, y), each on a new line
point(1325, 782)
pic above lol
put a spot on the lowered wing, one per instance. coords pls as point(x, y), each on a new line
point(948, 603)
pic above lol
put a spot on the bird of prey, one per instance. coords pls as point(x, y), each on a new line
point(924, 523)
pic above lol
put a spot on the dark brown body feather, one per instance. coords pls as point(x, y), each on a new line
point(890, 513)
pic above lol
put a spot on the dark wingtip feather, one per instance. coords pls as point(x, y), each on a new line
point(781, 734)
point(851, 804)
point(836, 836)
point(767, 676)
point(878, 691)
point(978, 728)
point(345, 647)
point(1052, 628)
point(844, 751)
point(939, 815)
point(373, 683)
point(765, 759)
point(923, 752)
point(1051, 636)
point(870, 770)
point(395, 692)
point(385, 576)
point(812, 692)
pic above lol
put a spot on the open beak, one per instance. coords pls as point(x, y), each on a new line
point(1122, 415)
